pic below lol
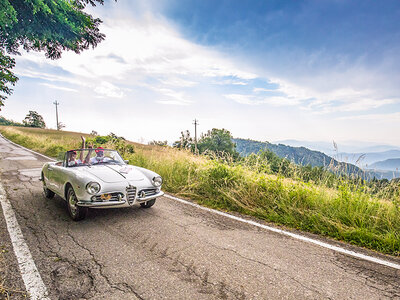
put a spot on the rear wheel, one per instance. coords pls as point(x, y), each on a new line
point(48, 194)
point(148, 204)
point(76, 212)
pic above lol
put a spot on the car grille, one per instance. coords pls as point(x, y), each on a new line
point(114, 197)
point(130, 194)
point(147, 192)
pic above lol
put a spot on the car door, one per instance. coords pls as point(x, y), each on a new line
point(49, 177)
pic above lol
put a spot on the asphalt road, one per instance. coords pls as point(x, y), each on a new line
point(170, 251)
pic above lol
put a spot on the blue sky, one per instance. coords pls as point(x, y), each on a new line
point(266, 70)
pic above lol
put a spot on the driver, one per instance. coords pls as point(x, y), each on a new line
point(99, 158)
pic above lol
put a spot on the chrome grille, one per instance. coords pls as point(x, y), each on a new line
point(147, 192)
point(130, 194)
point(114, 197)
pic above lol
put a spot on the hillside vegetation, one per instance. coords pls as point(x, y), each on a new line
point(304, 156)
point(345, 211)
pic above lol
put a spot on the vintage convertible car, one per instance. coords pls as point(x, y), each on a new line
point(99, 178)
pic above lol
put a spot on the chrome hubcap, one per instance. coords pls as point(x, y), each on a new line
point(72, 204)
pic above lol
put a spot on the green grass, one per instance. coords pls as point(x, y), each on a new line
point(343, 213)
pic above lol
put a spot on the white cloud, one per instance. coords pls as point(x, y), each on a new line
point(258, 90)
point(252, 100)
point(173, 97)
point(109, 90)
point(53, 86)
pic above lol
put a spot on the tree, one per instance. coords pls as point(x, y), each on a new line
point(218, 141)
point(159, 143)
point(33, 119)
point(185, 141)
point(7, 78)
point(51, 26)
point(60, 126)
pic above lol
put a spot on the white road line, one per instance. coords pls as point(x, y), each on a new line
point(280, 231)
point(30, 275)
point(291, 234)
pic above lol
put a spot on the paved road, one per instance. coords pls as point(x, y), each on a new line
point(171, 251)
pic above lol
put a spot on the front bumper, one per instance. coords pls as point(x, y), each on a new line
point(121, 202)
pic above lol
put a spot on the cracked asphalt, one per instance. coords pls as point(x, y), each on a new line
point(170, 251)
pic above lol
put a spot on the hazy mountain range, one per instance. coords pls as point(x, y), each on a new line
point(362, 154)
point(387, 165)
point(342, 147)
point(305, 156)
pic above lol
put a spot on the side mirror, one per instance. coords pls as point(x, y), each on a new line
point(126, 161)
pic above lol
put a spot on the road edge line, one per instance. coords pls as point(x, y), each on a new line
point(34, 284)
point(291, 234)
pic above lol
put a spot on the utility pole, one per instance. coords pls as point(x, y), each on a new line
point(196, 122)
point(56, 104)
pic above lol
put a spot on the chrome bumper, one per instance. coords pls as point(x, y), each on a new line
point(100, 204)
point(145, 199)
point(120, 202)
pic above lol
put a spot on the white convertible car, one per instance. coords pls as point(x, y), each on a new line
point(99, 178)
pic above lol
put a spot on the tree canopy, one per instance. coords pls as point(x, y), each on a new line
point(217, 140)
point(51, 26)
point(33, 119)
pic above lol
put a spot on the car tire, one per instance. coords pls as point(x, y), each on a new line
point(148, 204)
point(47, 193)
point(76, 212)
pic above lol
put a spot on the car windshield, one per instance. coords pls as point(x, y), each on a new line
point(85, 157)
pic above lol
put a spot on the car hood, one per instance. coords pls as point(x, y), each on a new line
point(115, 173)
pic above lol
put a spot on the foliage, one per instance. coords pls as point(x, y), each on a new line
point(304, 156)
point(185, 141)
point(159, 143)
point(7, 78)
point(43, 25)
point(33, 119)
point(6, 122)
point(60, 126)
point(112, 141)
point(218, 141)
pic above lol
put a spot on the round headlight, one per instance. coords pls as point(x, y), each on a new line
point(93, 188)
point(157, 181)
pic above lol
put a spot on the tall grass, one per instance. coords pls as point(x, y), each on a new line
point(341, 211)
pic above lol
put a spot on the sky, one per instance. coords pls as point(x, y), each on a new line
point(264, 70)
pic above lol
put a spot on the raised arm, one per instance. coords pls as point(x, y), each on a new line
point(83, 147)
point(87, 158)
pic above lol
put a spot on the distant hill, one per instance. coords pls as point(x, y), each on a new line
point(299, 155)
point(305, 156)
point(350, 147)
point(366, 159)
point(392, 164)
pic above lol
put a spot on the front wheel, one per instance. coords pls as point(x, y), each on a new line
point(76, 212)
point(148, 204)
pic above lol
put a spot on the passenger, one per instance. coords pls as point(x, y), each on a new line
point(72, 161)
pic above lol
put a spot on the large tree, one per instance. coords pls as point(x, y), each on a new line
point(51, 26)
point(33, 119)
point(218, 141)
